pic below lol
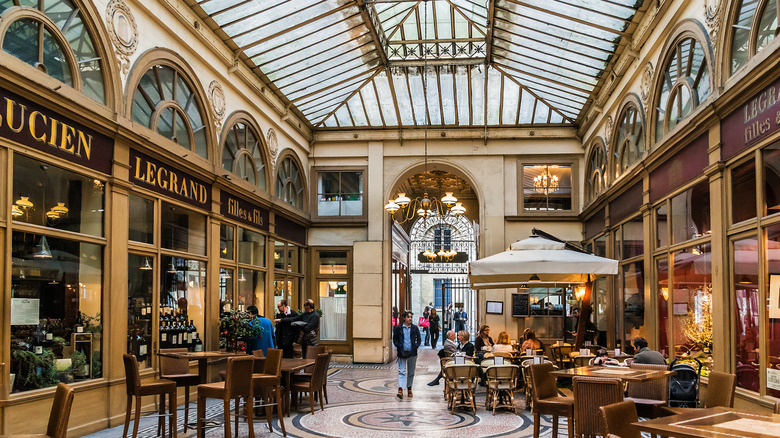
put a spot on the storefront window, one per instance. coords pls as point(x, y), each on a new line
point(600, 302)
point(743, 192)
point(772, 331)
point(597, 171)
point(547, 187)
point(139, 309)
point(691, 213)
point(692, 301)
point(293, 258)
point(52, 197)
point(251, 247)
point(600, 246)
point(340, 193)
point(745, 280)
point(56, 306)
point(633, 238)
point(547, 301)
point(279, 255)
point(771, 162)
point(183, 230)
point(333, 288)
point(182, 302)
point(633, 301)
point(226, 239)
point(662, 289)
point(251, 287)
point(141, 219)
point(661, 221)
point(226, 289)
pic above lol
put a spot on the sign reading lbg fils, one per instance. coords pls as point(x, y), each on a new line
point(164, 179)
point(32, 125)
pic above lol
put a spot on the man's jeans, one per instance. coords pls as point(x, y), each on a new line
point(406, 367)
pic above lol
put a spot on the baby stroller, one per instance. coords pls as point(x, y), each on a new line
point(684, 385)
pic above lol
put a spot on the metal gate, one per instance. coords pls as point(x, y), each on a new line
point(457, 295)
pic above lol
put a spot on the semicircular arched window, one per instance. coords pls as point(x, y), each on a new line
point(243, 155)
point(629, 142)
point(754, 27)
point(597, 167)
point(684, 85)
point(165, 102)
point(65, 51)
point(289, 186)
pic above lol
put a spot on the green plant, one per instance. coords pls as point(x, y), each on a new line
point(92, 324)
point(34, 371)
point(97, 364)
point(237, 325)
point(78, 361)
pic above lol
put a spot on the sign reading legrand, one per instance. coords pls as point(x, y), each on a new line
point(755, 120)
point(32, 125)
point(243, 211)
point(169, 181)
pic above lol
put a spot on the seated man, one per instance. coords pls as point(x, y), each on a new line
point(448, 349)
point(646, 355)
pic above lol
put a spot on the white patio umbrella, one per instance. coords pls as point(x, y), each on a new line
point(537, 259)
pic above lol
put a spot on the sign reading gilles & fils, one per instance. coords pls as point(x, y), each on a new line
point(169, 181)
point(243, 211)
point(32, 125)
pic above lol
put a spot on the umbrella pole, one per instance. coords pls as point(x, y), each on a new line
point(585, 311)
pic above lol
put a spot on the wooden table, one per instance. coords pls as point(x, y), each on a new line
point(623, 373)
point(203, 358)
point(290, 367)
point(717, 422)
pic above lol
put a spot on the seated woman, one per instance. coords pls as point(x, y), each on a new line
point(602, 358)
point(502, 345)
point(483, 339)
point(531, 341)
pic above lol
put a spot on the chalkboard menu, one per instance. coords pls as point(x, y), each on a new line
point(520, 305)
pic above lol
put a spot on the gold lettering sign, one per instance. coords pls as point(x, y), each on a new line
point(244, 211)
point(46, 130)
point(170, 181)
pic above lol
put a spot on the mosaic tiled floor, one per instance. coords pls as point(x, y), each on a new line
point(363, 403)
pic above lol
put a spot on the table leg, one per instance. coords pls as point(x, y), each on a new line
point(287, 400)
point(203, 364)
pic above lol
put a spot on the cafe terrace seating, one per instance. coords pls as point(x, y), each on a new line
point(590, 393)
point(313, 385)
point(649, 396)
point(58, 417)
point(178, 370)
point(237, 385)
point(462, 385)
point(501, 383)
point(720, 392)
point(267, 386)
point(138, 389)
point(546, 400)
point(617, 419)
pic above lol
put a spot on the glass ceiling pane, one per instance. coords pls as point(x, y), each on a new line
point(493, 97)
point(511, 97)
point(526, 108)
point(355, 107)
point(330, 122)
point(447, 95)
point(432, 85)
point(342, 115)
point(416, 92)
point(371, 105)
point(321, 38)
point(542, 112)
point(443, 19)
point(462, 87)
point(478, 95)
point(386, 99)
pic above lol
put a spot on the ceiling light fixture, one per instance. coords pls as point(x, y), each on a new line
point(44, 252)
point(546, 183)
point(146, 266)
point(425, 207)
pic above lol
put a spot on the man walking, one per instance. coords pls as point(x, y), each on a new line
point(285, 334)
point(406, 338)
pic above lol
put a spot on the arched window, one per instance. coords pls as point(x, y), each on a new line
point(243, 154)
point(753, 28)
point(629, 140)
point(289, 185)
point(52, 37)
point(165, 102)
point(685, 83)
point(597, 171)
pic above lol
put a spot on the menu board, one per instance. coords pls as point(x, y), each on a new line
point(520, 305)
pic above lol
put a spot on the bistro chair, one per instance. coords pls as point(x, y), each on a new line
point(268, 387)
point(501, 382)
point(314, 385)
point(526, 377)
point(720, 392)
point(257, 354)
point(307, 372)
point(58, 416)
point(546, 400)
point(178, 370)
point(561, 355)
point(237, 385)
point(777, 407)
point(461, 381)
point(617, 419)
point(138, 389)
point(590, 393)
point(649, 396)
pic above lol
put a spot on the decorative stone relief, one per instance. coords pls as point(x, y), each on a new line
point(273, 144)
point(712, 16)
point(608, 129)
point(217, 99)
point(647, 84)
point(123, 32)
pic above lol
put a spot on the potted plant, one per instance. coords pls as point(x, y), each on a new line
point(236, 326)
point(79, 366)
point(34, 371)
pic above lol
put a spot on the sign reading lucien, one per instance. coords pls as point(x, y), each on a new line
point(755, 120)
point(169, 181)
point(32, 125)
point(243, 211)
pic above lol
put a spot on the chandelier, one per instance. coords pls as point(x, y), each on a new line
point(445, 256)
point(424, 207)
point(546, 183)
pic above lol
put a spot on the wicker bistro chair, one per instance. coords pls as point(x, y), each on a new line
point(649, 396)
point(561, 355)
point(178, 370)
point(267, 386)
point(237, 385)
point(546, 399)
point(58, 417)
point(720, 392)
point(314, 385)
point(138, 389)
point(590, 393)
point(501, 383)
point(617, 419)
point(462, 384)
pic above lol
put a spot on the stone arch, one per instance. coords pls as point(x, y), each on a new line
point(296, 161)
point(621, 140)
point(247, 119)
point(726, 41)
point(596, 169)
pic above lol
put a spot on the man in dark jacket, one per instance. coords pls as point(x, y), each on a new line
point(308, 322)
point(406, 338)
point(285, 334)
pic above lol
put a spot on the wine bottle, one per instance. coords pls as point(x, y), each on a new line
point(198, 343)
point(142, 346)
point(163, 335)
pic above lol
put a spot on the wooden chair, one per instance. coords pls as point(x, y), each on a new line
point(314, 385)
point(268, 387)
point(307, 372)
point(720, 392)
point(546, 401)
point(257, 354)
point(501, 381)
point(138, 389)
point(178, 370)
point(561, 355)
point(650, 396)
point(462, 384)
point(525, 370)
point(237, 385)
point(617, 419)
point(58, 416)
point(777, 407)
point(590, 393)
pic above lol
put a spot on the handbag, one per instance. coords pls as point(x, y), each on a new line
point(423, 322)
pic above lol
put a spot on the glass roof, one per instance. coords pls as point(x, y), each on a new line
point(376, 63)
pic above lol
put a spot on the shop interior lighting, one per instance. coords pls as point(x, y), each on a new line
point(24, 202)
point(44, 252)
point(172, 268)
point(146, 266)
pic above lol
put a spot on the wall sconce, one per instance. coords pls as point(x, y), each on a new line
point(242, 278)
point(579, 292)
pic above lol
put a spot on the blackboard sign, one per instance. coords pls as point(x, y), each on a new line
point(520, 305)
